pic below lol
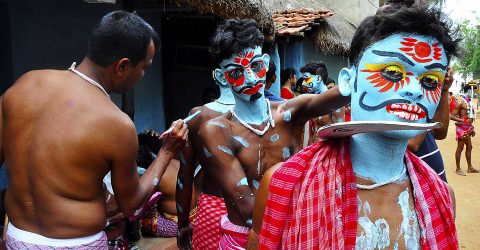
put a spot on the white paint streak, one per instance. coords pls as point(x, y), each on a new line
point(375, 235)
point(256, 184)
point(409, 227)
point(242, 182)
point(242, 141)
point(287, 116)
point(179, 184)
point(225, 150)
point(218, 124)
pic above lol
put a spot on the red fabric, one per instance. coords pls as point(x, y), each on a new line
point(286, 93)
point(207, 230)
point(312, 202)
point(234, 236)
point(453, 103)
point(348, 117)
point(319, 174)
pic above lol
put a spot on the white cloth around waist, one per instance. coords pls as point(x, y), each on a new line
point(38, 239)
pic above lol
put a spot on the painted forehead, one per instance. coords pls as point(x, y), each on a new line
point(410, 50)
point(243, 58)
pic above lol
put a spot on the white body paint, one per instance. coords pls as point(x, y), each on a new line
point(409, 228)
point(375, 235)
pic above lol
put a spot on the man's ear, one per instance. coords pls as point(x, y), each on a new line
point(346, 80)
point(220, 77)
point(266, 60)
point(121, 66)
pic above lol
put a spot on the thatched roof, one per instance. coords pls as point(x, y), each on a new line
point(332, 36)
point(253, 9)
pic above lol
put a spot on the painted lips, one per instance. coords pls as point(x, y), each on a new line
point(253, 90)
point(406, 111)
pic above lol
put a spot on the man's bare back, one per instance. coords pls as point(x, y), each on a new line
point(53, 168)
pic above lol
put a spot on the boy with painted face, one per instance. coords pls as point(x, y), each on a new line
point(314, 76)
point(187, 175)
point(239, 146)
point(367, 191)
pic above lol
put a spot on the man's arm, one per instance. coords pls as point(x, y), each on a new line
point(454, 114)
point(222, 164)
point(259, 207)
point(308, 106)
point(415, 142)
point(442, 114)
point(2, 158)
point(131, 191)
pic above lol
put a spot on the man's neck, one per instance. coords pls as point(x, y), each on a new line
point(254, 113)
point(226, 96)
point(376, 157)
point(95, 72)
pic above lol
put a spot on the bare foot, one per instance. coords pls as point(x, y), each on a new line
point(460, 172)
point(473, 170)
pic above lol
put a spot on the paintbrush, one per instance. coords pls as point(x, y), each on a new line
point(186, 120)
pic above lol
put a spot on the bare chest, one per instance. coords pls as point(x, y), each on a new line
point(387, 219)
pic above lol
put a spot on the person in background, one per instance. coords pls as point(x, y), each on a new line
point(269, 80)
point(69, 135)
point(287, 81)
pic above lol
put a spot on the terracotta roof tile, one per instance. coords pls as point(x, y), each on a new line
point(295, 22)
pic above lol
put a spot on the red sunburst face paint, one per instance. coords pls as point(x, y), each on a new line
point(246, 72)
point(399, 78)
point(421, 52)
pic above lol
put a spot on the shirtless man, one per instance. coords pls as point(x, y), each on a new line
point(367, 191)
point(61, 134)
point(464, 133)
point(186, 175)
point(240, 145)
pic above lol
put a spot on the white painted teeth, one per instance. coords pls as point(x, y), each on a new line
point(415, 109)
point(404, 106)
point(410, 108)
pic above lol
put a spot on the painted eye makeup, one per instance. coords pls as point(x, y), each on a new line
point(387, 76)
point(392, 73)
point(429, 82)
point(257, 66)
point(235, 73)
point(431, 86)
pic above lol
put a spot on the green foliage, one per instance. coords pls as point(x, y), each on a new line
point(469, 60)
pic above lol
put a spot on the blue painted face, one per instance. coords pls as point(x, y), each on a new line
point(245, 72)
point(398, 79)
point(312, 84)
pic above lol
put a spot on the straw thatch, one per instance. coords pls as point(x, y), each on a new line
point(253, 9)
point(332, 36)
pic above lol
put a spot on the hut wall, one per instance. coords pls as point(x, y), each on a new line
point(298, 53)
point(54, 33)
point(354, 10)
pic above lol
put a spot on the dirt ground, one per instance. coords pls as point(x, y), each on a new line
point(466, 188)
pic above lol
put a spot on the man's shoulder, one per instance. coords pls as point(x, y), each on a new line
point(217, 125)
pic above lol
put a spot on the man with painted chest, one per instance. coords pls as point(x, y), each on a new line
point(239, 146)
point(367, 191)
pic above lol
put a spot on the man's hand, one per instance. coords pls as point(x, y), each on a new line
point(447, 83)
point(176, 139)
point(184, 238)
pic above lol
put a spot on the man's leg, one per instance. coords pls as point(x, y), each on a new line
point(468, 155)
point(458, 154)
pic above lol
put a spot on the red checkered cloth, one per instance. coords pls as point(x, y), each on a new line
point(234, 236)
point(13, 244)
point(463, 130)
point(207, 229)
point(433, 205)
point(312, 202)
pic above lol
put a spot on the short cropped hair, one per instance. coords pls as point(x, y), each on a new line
point(271, 70)
point(120, 34)
point(316, 68)
point(285, 75)
point(416, 19)
point(233, 36)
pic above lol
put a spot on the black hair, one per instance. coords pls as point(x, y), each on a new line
point(416, 19)
point(271, 70)
point(120, 34)
point(285, 75)
point(330, 80)
point(233, 36)
point(316, 68)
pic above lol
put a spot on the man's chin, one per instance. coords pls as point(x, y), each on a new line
point(255, 97)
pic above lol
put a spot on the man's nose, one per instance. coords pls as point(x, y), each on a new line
point(412, 91)
point(249, 76)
